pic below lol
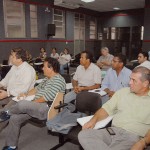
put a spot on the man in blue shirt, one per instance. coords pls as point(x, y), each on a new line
point(116, 77)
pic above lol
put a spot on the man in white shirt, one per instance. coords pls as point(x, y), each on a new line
point(19, 79)
point(143, 59)
point(104, 61)
point(87, 77)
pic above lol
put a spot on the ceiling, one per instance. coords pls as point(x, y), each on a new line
point(108, 5)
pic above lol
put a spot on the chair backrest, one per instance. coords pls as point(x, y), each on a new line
point(88, 102)
point(59, 99)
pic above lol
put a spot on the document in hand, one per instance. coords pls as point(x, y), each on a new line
point(28, 98)
point(100, 124)
point(98, 91)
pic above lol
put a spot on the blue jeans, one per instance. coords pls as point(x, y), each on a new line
point(62, 68)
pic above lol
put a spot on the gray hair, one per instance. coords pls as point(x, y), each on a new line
point(145, 73)
point(105, 48)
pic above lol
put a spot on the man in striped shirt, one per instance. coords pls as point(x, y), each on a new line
point(38, 108)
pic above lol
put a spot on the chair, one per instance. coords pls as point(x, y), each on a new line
point(54, 109)
point(86, 102)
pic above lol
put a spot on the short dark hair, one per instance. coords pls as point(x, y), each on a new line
point(52, 62)
point(145, 54)
point(145, 73)
point(88, 55)
point(20, 53)
point(122, 58)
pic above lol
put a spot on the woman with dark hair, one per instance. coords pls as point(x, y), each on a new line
point(42, 53)
point(54, 53)
point(64, 60)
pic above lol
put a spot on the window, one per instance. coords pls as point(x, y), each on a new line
point(59, 21)
point(79, 27)
point(142, 32)
point(33, 21)
point(93, 29)
point(113, 33)
point(14, 19)
point(106, 33)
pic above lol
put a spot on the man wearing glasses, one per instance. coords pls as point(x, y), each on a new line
point(116, 77)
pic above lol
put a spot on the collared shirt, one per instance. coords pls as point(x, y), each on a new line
point(56, 56)
point(107, 58)
point(131, 112)
point(114, 82)
point(50, 87)
point(64, 59)
point(145, 64)
point(19, 79)
point(89, 76)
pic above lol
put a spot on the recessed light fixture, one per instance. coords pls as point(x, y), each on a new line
point(116, 8)
point(88, 1)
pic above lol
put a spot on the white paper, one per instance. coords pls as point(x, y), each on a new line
point(69, 86)
point(100, 124)
point(39, 81)
point(28, 98)
point(98, 91)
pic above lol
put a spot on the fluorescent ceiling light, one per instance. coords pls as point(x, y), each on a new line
point(87, 1)
point(116, 8)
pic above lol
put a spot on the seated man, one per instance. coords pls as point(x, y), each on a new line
point(104, 61)
point(146, 140)
point(20, 78)
point(131, 121)
point(116, 77)
point(87, 77)
point(143, 59)
point(38, 108)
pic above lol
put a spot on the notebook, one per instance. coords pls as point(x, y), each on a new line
point(28, 98)
point(100, 124)
point(98, 91)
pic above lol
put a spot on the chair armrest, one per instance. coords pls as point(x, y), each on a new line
point(60, 106)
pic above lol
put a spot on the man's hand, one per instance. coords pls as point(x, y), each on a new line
point(90, 124)
point(76, 89)
point(21, 96)
point(3, 94)
point(110, 93)
point(140, 145)
point(80, 89)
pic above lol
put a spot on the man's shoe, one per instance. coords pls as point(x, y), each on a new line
point(8, 148)
point(4, 116)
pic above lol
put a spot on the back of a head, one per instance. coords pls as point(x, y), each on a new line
point(52, 62)
point(20, 53)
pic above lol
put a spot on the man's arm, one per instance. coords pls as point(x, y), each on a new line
point(143, 143)
point(40, 100)
point(99, 115)
point(74, 83)
point(86, 88)
point(110, 93)
point(31, 92)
